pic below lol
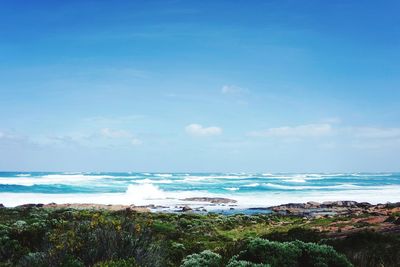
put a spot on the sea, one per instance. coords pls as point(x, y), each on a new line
point(250, 190)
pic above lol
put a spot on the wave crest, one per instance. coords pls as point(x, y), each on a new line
point(141, 192)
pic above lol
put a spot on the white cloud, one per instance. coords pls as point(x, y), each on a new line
point(332, 120)
point(136, 142)
point(199, 130)
point(112, 120)
point(300, 131)
point(120, 134)
point(376, 133)
point(110, 133)
point(231, 89)
point(9, 136)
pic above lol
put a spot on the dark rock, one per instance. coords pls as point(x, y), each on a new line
point(327, 203)
point(390, 219)
point(364, 205)
point(392, 205)
point(186, 208)
point(344, 204)
point(313, 204)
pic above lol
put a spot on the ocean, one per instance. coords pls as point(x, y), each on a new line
point(168, 189)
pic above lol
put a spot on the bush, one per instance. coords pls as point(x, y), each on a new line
point(297, 233)
point(274, 253)
point(206, 258)
point(238, 263)
point(296, 253)
point(131, 262)
point(369, 249)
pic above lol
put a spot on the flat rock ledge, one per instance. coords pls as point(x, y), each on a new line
point(213, 200)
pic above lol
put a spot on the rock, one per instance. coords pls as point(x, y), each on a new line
point(327, 203)
point(1, 206)
point(214, 200)
point(364, 205)
point(345, 203)
point(397, 221)
point(392, 205)
point(186, 208)
point(30, 205)
point(313, 204)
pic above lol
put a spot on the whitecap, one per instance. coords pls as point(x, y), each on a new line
point(232, 188)
point(267, 174)
point(252, 185)
point(163, 175)
point(23, 175)
point(149, 181)
point(339, 186)
point(52, 179)
point(138, 193)
point(295, 180)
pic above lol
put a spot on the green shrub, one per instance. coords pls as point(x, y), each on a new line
point(296, 253)
point(274, 253)
point(131, 262)
point(206, 258)
point(240, 263)
point(297, 233)
point(369, 249)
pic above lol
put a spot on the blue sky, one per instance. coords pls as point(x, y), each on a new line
point(260, 86)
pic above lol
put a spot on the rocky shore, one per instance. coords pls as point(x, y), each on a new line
point(309, 210)
point(333, 208)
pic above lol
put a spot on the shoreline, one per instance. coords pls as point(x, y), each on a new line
point(226, 206)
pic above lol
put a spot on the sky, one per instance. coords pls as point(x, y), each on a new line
point(200, 86)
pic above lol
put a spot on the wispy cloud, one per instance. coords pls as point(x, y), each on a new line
point(300, 131)
point(332, 120)
point(232, 89)
point(110, 133)
point(113, 120)
point(199, 130)
point(102, 138)
point(375, 132)
point(120, 134)
point(10, 136)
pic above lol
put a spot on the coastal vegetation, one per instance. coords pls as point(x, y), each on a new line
point(34, 236)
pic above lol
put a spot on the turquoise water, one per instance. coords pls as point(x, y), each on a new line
point(260, 189)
